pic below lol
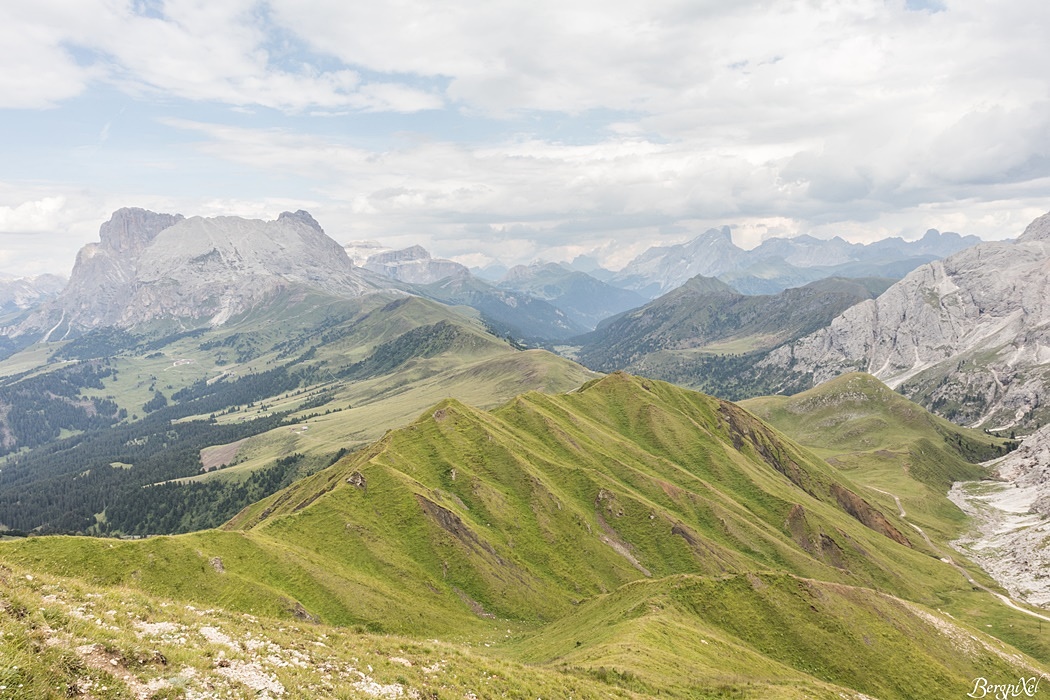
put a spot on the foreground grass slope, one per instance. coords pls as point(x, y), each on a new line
point(615, 533)
point(61, 638)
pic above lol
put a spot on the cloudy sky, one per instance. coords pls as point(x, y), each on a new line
point(517, 131)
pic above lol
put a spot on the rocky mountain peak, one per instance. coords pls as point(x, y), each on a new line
point(966, 335)
point(1038, 230)
point(149, 266)
point(302, 216)
point(413, 265)
point(131, 229)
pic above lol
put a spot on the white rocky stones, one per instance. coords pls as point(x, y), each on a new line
point(1011, 539)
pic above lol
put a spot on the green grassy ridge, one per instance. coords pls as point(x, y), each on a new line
point(549, 494)
point(883, 440)
point(542, 480)
point(774, 631)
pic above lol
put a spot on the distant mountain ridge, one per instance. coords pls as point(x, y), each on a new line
point(585, 299)
point(21, 293)
point(706, 334)
point(780, 263)
point(413, 265)
point(535, 304)
point(163, 267)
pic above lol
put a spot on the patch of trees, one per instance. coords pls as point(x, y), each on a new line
point(60, 487)
point(174, 508)
point(102, 342)
point(420, 342)
point(60, 484)
point(158, 402)
point(37, 408)
point(730, 377)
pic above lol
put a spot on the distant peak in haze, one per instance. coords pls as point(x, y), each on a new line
point(780, 263)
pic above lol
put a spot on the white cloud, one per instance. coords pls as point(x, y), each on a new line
point(203, 51)
point(792, 116)
point(33, 216)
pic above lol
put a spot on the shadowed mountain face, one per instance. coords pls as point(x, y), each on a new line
point(584, 299)
point(708, 335)
point(160, 267)
point(517, 315)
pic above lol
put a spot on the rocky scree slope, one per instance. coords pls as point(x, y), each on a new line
point(1011, 540)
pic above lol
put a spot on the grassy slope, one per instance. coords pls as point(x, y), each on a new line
point(63, 638)
point(369, 407)
point(564, 510)
point(885, 441)
point(766, 635)
point(476, 368)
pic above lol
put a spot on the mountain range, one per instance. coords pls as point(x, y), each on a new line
point(707, 335)
point(380, 493)
point(584, 299)
point(780, 263)
point(20, 293)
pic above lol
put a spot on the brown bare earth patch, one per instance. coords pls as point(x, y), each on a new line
point(217, 456)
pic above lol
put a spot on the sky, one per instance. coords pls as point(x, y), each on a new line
point(521, 131)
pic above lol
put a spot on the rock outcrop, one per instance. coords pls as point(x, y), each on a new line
point(148, 267)
point(967, 336)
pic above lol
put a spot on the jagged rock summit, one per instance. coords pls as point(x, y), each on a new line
point(967, 336)
point(149, 266)
point(1038, 230)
